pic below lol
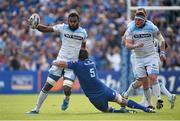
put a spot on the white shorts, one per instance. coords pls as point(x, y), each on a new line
point(132, 59)
point(57, 71)
point(145, 66)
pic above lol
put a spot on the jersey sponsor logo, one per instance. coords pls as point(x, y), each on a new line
point(142, 35)
point(73, 37)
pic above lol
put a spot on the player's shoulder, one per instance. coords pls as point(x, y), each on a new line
point(131, 26)
point(82, 30)
point(150, 24)
point(61, 25)
point(65, 26)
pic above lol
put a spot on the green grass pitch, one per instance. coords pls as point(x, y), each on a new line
point(13, 107)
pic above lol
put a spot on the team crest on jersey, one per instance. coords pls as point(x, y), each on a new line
point(73, 37)
point(142, 35)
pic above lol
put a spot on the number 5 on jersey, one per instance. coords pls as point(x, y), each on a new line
point(92, 72)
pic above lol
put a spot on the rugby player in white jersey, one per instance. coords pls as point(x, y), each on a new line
point(136, 84)
point(163, 89)
point(73, 38)
point(139, 37)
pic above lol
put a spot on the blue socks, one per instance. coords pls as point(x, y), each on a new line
point(133, 104)
point(113, 110)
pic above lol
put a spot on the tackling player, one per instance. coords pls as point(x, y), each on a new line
point(96, 91)
point(73, 38)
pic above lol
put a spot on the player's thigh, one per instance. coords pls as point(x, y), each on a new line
point(69, 77)
point(100, 103)
point(133, 62)
point(110, 94)
point(57, 71)
point(139, 68)
point(54, 74)
point(152, 65)
point(69, 74)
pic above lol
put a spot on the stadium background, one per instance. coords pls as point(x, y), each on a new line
point(26, 55)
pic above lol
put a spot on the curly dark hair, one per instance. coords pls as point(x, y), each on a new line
point(83, 54)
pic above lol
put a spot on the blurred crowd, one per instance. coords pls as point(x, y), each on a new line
point(22, 48)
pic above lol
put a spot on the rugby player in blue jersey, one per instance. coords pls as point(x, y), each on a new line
point(96, 91)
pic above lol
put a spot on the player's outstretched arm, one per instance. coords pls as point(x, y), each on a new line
point(34, 23)
point(62, 64)
point(43, 28)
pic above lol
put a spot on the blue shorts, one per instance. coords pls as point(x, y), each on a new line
point(101, 101)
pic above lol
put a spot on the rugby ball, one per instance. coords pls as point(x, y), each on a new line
point(34, 20)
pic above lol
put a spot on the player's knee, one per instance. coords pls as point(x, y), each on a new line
point(67, 90)
point(120, 100)
point(46, 87)
point(136, 84)
point(155, 83)
point(153, 78)
point(123, 102)
point(68, 83)
point(50, 82)
point(145, 82)
point(146, 85)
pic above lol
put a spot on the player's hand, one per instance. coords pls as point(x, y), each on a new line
point(162, 56)
point(55, 63)
point(139, 44)
point(61, 64)
point(34, 21)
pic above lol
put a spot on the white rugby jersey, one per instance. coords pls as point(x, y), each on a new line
point(145, 34)
point(71, 41)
